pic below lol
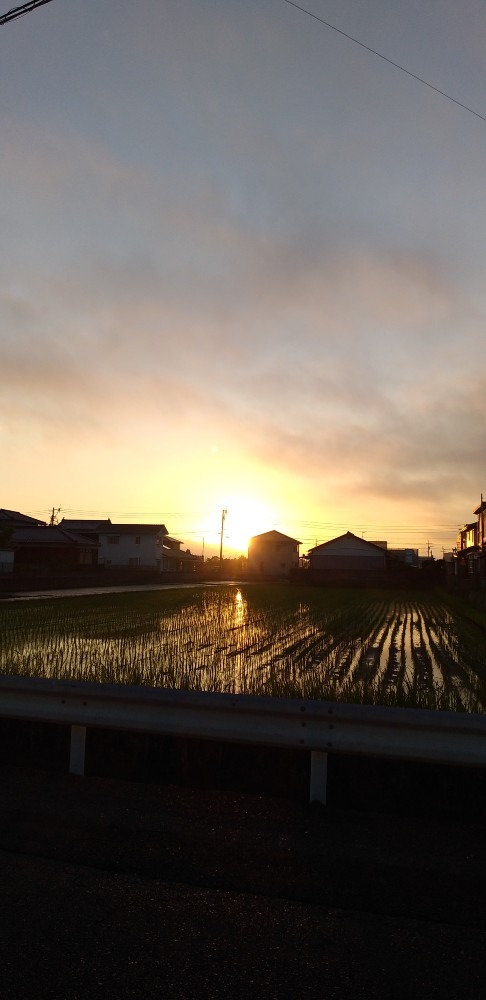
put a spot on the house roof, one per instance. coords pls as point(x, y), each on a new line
point(348, 534)
point(106, 527)
point(135, 529)
point(274, 536)
point(177, 555)
point(48, 536)
point(480, 507)
point(74, 524)
point(18, 518)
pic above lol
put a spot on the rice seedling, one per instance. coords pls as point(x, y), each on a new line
point(349, 645)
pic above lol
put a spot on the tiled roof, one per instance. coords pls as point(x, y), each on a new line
point(73, 524)
point(135, 529)
point(106, 527)
point(178, 556)
point(17, 517)
point(47, 536)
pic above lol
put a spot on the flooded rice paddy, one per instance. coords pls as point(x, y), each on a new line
point(349, 645)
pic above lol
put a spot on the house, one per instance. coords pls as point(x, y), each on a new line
point(46, 549)
point(470, 554)
point(174, 560)
point(480, 513)
point(347, 557)
point(467, 537)
point(138, 546)
point(272, 554)
point(135, 546)
point(9, 520)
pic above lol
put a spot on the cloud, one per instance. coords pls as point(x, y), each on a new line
point(134, 309)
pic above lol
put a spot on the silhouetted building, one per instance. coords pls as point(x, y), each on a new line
point(272, 554)
point(346, 557)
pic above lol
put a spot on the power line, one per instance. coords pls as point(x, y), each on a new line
point(304, 522)
point(380, 55)
point(25, 8)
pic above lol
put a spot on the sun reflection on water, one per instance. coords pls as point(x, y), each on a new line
point(240, 608)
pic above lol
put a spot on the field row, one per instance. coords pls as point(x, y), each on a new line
point(341, 645)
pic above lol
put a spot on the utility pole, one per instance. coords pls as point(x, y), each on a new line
point(52, 520)
point(223, 515)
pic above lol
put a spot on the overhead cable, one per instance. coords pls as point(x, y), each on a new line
point(380, 55)
point(25, 8)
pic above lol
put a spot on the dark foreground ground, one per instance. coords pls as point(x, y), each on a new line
point(113, 889)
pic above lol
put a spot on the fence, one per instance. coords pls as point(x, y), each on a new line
point(318, 727)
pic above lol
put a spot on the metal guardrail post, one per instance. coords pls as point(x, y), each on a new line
point(77, 750)
point(318, 777)
point(314, 726)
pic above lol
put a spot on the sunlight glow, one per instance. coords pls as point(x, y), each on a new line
point(246, 517)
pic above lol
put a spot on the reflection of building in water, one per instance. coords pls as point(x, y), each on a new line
point(272, 554)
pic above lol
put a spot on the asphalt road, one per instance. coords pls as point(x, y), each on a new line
point(114, 889)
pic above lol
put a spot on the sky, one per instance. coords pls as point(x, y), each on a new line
point(243, 267)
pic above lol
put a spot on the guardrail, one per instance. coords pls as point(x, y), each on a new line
point(316, 726)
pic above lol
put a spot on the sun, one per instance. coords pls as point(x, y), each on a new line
point(245, 517)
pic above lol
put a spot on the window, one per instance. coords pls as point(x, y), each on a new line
point(138, 539)
point(113, 539)
point(134, 561)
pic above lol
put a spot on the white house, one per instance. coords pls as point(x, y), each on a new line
point(132, 545)
point(136, 546)
point(272, 554)
point(347, 555)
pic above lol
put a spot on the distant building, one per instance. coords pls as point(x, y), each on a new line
point(408, 556)
point(347, 557)
point(272, 554)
